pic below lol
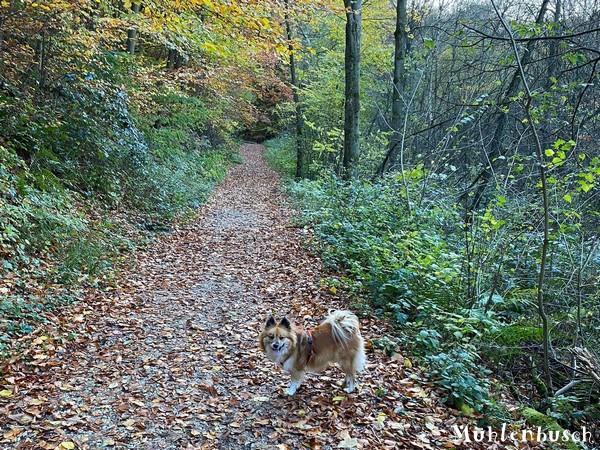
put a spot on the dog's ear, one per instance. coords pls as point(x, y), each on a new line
point(285, 323)
point(270, 322)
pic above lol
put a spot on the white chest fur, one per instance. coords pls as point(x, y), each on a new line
point(288, 364)
point(285, 361)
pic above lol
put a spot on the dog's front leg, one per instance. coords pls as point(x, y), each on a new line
point(349, 384)
point(297, 377)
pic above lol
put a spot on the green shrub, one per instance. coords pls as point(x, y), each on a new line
point(281, 155)
point(459, 374)
point(364, 229)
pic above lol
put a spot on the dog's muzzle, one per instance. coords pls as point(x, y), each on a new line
point(276, 346)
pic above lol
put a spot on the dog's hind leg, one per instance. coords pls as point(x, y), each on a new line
point(350, 381)
point(297, 377)
point(351, 367)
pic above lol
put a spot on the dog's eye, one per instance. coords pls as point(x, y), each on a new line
point(271, 336)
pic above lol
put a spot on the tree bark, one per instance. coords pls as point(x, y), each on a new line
point(42, 60)
point(1, 42)
point(352, 90)
point(171, 57)
point(399, 82)
point(295, 87)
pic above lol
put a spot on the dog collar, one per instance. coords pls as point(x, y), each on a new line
point(309, 353)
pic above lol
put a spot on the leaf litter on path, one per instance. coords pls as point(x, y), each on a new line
point(169, 359)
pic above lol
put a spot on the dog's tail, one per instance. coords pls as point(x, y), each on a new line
point(344, 325)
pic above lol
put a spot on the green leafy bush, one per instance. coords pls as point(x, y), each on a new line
point(459, 374)
point(365, 229)
point(281, 154)
point(184, 163)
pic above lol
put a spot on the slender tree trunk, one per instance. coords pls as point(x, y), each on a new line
point(554, 60)
point(555, 64)
point(132, 33)
point(352, 90)
point(295, 87)
point(42, 61)
point(399, 81)
point(178, 59)
point(1, 41)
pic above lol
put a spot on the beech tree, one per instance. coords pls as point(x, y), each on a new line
point(295, 87)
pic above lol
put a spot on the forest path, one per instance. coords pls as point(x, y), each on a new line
point(169, 360)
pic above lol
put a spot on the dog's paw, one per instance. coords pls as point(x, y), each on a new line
point(293, 388)
point(349, 386)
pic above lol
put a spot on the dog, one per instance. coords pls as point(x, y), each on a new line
point(336, 340)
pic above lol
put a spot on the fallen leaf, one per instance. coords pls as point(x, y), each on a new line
point(12, 433)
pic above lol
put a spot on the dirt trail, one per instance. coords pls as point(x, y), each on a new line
point(170, 360)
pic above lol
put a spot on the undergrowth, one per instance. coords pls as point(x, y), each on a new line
point(281, 155)
point(410, 273)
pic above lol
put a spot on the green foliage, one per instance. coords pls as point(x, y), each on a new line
point(517, 334)
point(281, 155)
point(368, 232)
point(461, 375)
point(184, 164)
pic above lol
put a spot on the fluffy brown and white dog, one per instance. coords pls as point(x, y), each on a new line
point(336, 340)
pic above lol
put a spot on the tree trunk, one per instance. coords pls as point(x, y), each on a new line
point(554, 60)
point(132, 33)
point(352, 91)
point(1, 42)
point(41, 56)
point(399, 81)
point(295, 86)
point(541, 165)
